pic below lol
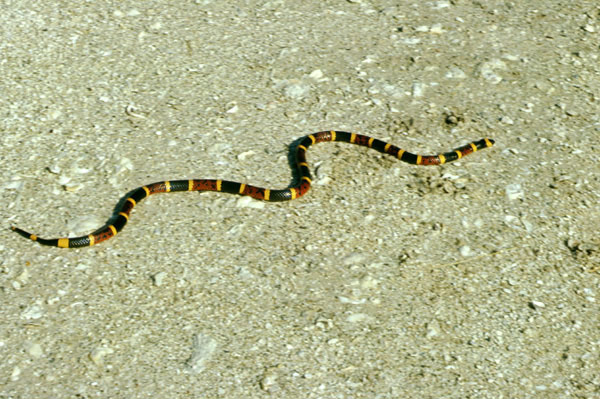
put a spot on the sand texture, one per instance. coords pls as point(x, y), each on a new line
point(475, 279)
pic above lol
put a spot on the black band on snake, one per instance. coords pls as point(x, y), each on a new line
point(121, 217)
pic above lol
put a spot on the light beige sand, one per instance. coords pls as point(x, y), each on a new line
point(477, 279)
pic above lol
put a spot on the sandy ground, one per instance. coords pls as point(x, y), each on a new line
point(476, 279)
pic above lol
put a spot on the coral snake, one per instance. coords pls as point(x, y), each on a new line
point(121, 216)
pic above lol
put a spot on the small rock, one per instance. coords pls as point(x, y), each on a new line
point(357, 318)
point(536, 305)
point(16, 372)
point(465, 250)
point(296, 91)
point(23, 277)
point(487, 70)
point(245, 155)
point(98, 354)
point(417, 89)
point(34, 350)
point(514, 191)
point(83, 224)
point(353, 259)
point(32, 312)
point(432, 329)
point(316, 74)
point(455, 73)
point(437, 29)
point(249, 202)
point(269, 380)
point(203, 347)
point(159, 278)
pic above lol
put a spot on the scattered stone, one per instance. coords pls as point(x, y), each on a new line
point(23, 277)
point(353, 259)
point(488, 69)
point(455, 73)
point(249, 202)
point(83, 224)
point(536, 305)
point(97, 355)
point(268, 382)
point(296, 90)
point(159, 278)
point(437, 29)
point(203, 347)
point(417, 89)
point(352, 301)
point(432, 329)
point(514, 191)
point(465, 251)
point(245, 155)
point(34, 350)
point(317, 74)
point(33, 312)
point(16, 372)
point(368, 282)
point(357, 318)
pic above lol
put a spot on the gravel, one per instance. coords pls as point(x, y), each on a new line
point(476, 279)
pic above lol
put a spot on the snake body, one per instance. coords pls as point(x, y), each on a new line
point(121, 217)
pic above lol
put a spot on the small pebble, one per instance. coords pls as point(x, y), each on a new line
point(156, 26)
point(269, 380)
point(353, 259)
point(455, 73)
point(514, 191)
point(84, 224)
point(98, 354)
point(316, 74)
point(487, 70)
point(432, 329)
point(55, 114)
point(441, 4)
point(368, 282)
point(23, 277)
point(465, 250)
point(245, 155)
point(16, 372)
point(296, 91)
point(32, 312)
point(249, 202)
point(34, 350)
point(55, 169)
point(357, 318)
point(536, 305)
point(159, 278)
point(417, 89)
point(203, 347)
point(437, 29)
point(589, 28)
